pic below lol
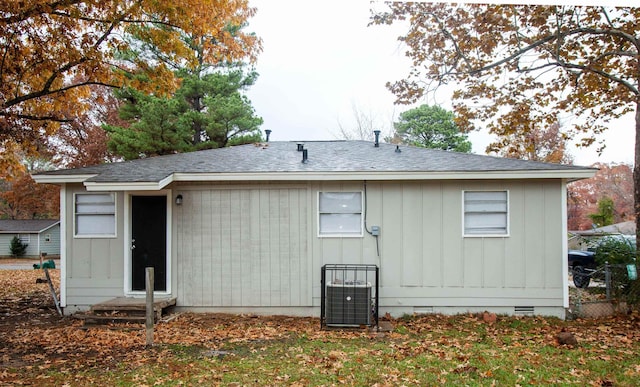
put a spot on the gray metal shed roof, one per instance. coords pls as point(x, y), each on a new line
point(29, 226)
point(324, 157)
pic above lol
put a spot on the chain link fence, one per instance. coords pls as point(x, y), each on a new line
point(605, 291)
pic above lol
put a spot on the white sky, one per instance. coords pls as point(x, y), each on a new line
point(320, 60)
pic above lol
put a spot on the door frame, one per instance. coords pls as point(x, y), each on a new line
point(127, 242)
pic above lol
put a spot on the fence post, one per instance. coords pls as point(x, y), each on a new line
point(149, 312)
point(607, 279)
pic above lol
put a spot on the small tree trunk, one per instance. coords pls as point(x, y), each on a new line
point(636, 178)
point(197, 125)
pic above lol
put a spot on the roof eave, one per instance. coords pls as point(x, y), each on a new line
point(25, 231)
point(48, 227)
point(61, 179)
point(574, 174)
point(127, 186)
point(569, 175)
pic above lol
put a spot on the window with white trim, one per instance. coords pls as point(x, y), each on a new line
point(486, 213)
point(95, 214)
point(340, 214)
point(24, 238)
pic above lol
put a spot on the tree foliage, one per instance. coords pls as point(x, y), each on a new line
point(615, 249)
point(535, 60)
point(230, 119)
point(23, 198)
point(522, 64)
point(431, 127)
point(605, 213)
point(152, 126)
point(538, 144)
point(83, 142)
point(53, 50)
point(614, 181)
point(207, 111)
point(17, 248)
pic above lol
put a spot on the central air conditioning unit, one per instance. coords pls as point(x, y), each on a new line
point(349, 295)
point(348, 303)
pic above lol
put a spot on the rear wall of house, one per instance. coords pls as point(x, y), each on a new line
point(426, 265)
point(256, 248)
point(243, 246)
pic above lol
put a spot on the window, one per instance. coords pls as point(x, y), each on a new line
point(486, 213)
point(340, 214)
point(47, 238)
point(24, 238)
point(95, 214)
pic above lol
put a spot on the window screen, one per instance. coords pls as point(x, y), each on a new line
point(486, 213)
point(95, 214)
point(340, 213)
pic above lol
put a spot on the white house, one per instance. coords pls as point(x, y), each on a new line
point(248, 228)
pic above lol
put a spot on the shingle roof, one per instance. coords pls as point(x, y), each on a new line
point(25, 226)
point(323, 156)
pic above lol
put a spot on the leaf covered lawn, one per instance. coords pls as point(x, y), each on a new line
point(39, 348)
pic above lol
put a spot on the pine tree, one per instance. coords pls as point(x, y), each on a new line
point(17, 248)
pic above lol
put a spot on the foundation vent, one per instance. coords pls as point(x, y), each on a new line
point(524, 310)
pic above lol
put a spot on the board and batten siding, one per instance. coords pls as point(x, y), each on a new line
point(425, 262)
point(242, 247)
point(94, 266)
point(257, 246)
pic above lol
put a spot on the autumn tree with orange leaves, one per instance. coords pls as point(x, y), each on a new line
point(53, 51)
point(525, 64)
point(536, 143)
point(23, 198)
point(83, 142)
point(614, 181)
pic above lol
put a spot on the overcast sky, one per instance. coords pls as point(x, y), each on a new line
point(320, 60)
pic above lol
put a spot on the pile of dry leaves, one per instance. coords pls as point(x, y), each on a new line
point(33, 335)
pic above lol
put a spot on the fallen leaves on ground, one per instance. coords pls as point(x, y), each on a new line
point(35, 340)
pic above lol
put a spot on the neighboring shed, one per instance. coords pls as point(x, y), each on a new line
point(249, 228)
point(41, 236)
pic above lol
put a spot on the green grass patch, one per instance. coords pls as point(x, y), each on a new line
point(431, 350)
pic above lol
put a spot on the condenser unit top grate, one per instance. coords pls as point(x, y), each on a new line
point(349, 283)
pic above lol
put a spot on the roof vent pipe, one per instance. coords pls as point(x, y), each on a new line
point(377, 133)
point(304, 156)
point(300, 147)
point(398, 149)
point(267, 132)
